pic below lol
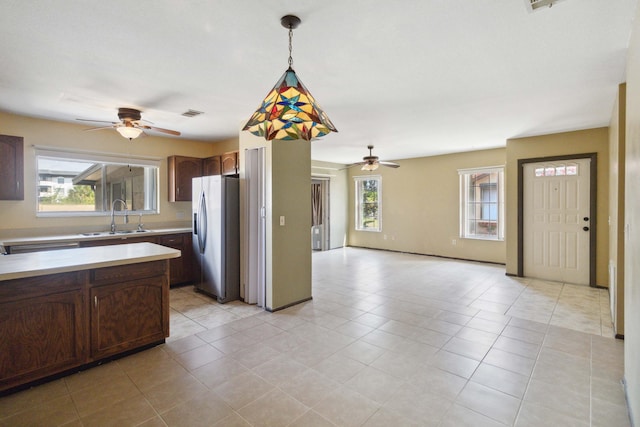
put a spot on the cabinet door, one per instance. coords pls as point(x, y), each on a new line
point(176, 265)
point(211, 166)
point(181, 170)
point(230, 163)
point(41, 336)
point(11, 168)
point(128, 315)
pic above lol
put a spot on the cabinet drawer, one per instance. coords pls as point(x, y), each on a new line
point(103, 276)
point(175, 242)
point(133, 238)
point(18, 289)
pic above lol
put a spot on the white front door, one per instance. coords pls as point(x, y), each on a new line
point(556, 220)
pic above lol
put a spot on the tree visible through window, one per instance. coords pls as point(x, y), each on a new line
point(481, 210)
point(79, 183)
point(368, 203)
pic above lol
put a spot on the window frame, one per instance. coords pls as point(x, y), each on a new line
point(359, 217)
point(466, 204)
point(151, 165)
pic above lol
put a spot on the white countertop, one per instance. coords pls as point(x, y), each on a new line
point(66, 260)
point(80, 237)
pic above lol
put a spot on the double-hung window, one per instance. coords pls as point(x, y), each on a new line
point(73, 183)
point(482, 203)
point(368, 203)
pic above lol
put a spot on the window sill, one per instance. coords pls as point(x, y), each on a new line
point(488, 239)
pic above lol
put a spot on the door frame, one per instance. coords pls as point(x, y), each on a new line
point(325, 188)
point(593, 182)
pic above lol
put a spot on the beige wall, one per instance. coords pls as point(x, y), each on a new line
point(288, 247)
point(632, 226)
point(226, 146)
point(578, 142)
point(616, 210)
point(420, 208)
point(291, 243)
point(19, 217)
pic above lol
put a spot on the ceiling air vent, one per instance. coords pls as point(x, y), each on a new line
point(193, 113)
point(533, 5)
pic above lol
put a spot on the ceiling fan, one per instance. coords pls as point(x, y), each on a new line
point(129, 125)
point(371, 162)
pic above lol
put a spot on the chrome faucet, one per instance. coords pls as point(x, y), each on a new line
point(113, 208)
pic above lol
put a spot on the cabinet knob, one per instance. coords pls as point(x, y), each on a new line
point(585, 228)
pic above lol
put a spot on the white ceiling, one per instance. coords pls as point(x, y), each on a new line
point(412, 77)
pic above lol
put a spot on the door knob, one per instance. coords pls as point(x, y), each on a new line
point(585, 228)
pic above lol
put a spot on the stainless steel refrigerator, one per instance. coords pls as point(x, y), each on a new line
point(216, 235)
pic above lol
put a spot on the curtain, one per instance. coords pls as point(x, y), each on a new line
point(316, 205)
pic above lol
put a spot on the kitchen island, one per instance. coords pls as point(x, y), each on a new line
point(182, 268)
point(63, 310)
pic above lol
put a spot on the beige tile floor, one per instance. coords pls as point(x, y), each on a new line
point(389, 339)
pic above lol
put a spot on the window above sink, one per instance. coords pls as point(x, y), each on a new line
point(77, 183)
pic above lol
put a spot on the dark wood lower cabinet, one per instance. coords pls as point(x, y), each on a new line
point(51, 324)
point(182, 269)
point(40, 336)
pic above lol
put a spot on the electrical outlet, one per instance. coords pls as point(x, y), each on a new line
point(454, 242)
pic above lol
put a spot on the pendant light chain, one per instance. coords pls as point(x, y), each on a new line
point(290, 47)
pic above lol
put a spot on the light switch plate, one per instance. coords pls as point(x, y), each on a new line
point(281, 219)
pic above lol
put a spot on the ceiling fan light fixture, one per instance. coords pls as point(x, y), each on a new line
point(289, 111)
point(371, 162)
point(129, 132)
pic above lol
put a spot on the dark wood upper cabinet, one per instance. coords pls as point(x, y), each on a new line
point(230, 163)
point(11, 167)
point(211, 166)
point(181, 170)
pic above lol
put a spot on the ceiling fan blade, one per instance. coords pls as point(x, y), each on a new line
point(97, 121)
point(389, 164)
point(356, 164)
point(99, 128)
point(169, 131)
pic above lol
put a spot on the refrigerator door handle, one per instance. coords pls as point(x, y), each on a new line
point(202, 237)
point(195, 223)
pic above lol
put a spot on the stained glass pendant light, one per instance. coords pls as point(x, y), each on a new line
point(289, 111)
